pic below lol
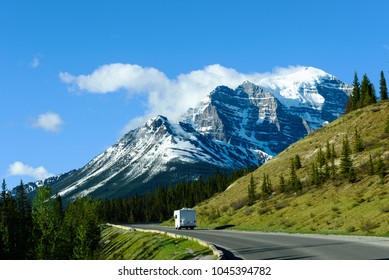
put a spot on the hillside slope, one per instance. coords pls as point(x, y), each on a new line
point(335, 205)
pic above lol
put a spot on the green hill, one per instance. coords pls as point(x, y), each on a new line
point(324, 202)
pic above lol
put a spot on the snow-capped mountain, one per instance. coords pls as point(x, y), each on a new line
point(231, 128)
point(158, 153)
point(272, 115)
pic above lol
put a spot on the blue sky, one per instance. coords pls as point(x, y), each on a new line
point(75, 75)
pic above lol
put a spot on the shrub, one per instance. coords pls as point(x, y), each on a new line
point(281, 204)
point(239, 203)
point(350, 229)
point(249, 211)
point(263, 210)
point(368, 226)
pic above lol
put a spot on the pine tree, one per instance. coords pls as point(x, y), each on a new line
point(345, 159)
point(355, 96)
point(24, 222)
point(251, 196)
point(8, 226)
point(46, 225)
point(364, 91)
point(358, 144)
point(352, 176)
point(367, 93)
point(333, 153)
point(282, 184)
point(383, 87)
point(294, 181)
point(266, 187)
point(297, 162)
point(320, 158)
point(349, 105)
point(315, 175)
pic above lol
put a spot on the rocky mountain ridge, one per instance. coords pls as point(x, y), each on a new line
point(230, 129)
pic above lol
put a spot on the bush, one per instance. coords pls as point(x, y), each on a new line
point(263, 210)
point(368, 226)
point(281, 204)
point(350, 229)
point(249, 211)
point(239, 203)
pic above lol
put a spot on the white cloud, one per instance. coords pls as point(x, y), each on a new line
point(20, 169)
point(168, 97)
point(51, 122)
point(35, 62)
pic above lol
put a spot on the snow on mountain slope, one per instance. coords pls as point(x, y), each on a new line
point(229, 129)
point(298, 87)
point(150, 150)
point(272, 114)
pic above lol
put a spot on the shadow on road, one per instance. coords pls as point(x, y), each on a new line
point(227, 254)
point(223, 227)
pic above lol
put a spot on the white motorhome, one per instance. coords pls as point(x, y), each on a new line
point(185, 218)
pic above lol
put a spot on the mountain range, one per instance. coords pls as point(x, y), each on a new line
point(231, 128)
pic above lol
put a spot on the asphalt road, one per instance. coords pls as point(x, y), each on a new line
point(281, 246)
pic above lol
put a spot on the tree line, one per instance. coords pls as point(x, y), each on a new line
point(160, 205)
point(363, 94)
point(43, 230)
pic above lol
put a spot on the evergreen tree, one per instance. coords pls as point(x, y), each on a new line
point(367, 93)
point(352, 176)
point(364, 91)
point(315, 175)
point(320, 158)
point(282, 184)
point(327, 172)
point(46, 225)
point(294, 181)
point(24, 222)
point(333, 153)
point(358, 144)
point(85, 228)
point(297, 162)
point(251, 196)
point(345, 159)
point(8, 221)
point(380, 169)
point(349, 105)
point(355, 96)
point(383, 87)
point(266, 187)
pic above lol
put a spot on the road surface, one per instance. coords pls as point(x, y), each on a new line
point(283, 246)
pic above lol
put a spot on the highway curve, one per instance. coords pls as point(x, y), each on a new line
point(283, 246)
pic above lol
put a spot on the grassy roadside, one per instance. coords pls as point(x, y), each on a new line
point(119, 244)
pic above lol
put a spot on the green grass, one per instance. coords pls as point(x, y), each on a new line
point(336, 207)
point(119, 244)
